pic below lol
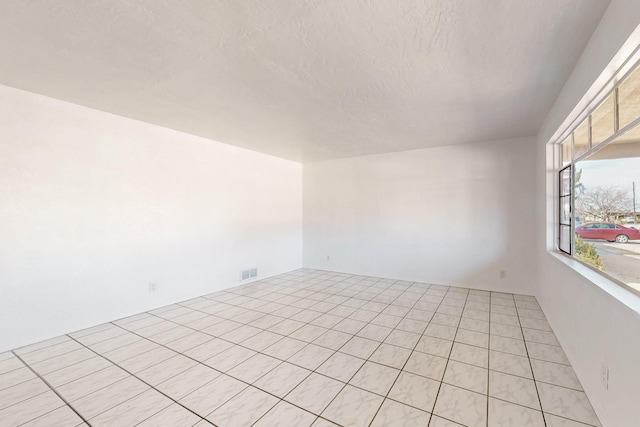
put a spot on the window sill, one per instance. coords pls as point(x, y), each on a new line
point(617, 290)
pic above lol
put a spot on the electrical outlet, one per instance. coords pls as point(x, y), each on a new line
point(503, 274)
point(604, 376)
point(152, 287)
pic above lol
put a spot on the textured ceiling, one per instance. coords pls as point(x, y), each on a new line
point(304, 80)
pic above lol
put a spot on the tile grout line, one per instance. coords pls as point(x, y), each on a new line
point(489, 356)
point(533, 374)
point(453, 341)
point(133, 397)
point(53, 390)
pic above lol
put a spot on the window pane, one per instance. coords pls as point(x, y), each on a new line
point(602, 122)
point(565, 210)
point(566, 182)
point(629, 99)
point(604, 194)
point(581, 139)
point(565, 238)
point(566, 151)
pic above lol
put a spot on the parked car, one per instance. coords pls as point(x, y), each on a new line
point(607, 231)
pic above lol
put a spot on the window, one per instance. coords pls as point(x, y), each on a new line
point(598, 175)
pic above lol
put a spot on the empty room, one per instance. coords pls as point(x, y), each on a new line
point(320, 213)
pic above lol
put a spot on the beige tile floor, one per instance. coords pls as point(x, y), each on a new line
point(307, 348)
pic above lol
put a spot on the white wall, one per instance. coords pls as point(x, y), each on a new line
point(596, 324)
point(453, 215)
point(95, 206)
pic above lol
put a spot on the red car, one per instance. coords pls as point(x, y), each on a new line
point(607, 231)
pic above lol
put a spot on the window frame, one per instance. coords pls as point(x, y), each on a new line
point(560, 164)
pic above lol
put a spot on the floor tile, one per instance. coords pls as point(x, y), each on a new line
point(472, 355)
point(395, 414)
point(63, 416)
point(567, 403)
point(341, 366)
point(15, 377)
point(550, 353)
point(426, 365)
point(374, 332)
point(474, 325)
point(261, 340)
point(145, 360)
point(181, 385)
point(76, 371)
point(440, 331)
point(375, 378)
point(314, 393)
point(30, 409)
point(415, 390)
point(521, 391)
point(127, 352)
point(311, 356)
point(172, 416)
point(254, 367)
point(412, 325)
point(62, 361)
point(23, 391)
point(212, 395)
point(51, 342)
point(555, 373)
point(505, 414)
point(507, 345)
point(555, 421)
point(510, 364)
point(462, 406)
point(402, 339)
point(332, 339)
point(189, 341)
point(161, 372)
point(229, 358)
point(115, 343)
point(133, 411)
point(353, 407)
point(436, 346)
point(286, 415)
point(90, 383)
point(507, 331)
point(391, 355)
point(108, 397)
point(466, 376)
point(244, 409)
point(361, 347)
point(285, 348)
point(540, 337)
point(441, 422)
point(10, 364)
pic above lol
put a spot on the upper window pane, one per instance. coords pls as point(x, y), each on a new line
point(629, 99)
point(581, 139)
point(602, 122)
point(566, 151)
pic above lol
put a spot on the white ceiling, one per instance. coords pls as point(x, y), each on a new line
point(304, 80)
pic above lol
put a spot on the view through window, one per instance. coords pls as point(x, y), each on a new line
point(600, 187)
